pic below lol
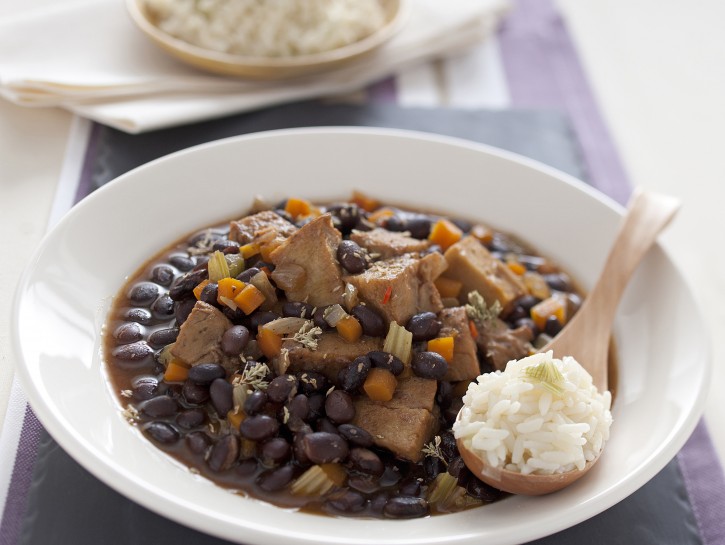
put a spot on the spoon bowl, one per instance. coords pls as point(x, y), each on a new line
point(587, 335)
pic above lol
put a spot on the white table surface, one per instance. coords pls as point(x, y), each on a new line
point(657, 70)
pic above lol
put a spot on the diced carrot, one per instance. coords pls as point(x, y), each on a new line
point(380, 215)
point(536, 285)
point(447, 287)
point(363, 201)
point(249, 250)
point(269, 342)
point(516, 267)
point(235, 419)
point(380, 384)
point(266, 249)
point(482, 233)
point(387, 294)
point(176, 371)
point(229, 288)
point(298, 207)
point(199, 288)
point(249, 298)
point(443, 346)
point(473, 329)
point(349, 328)
point(553, 306)
point(445, 234)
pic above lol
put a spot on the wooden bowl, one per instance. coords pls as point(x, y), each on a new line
point(268, 68)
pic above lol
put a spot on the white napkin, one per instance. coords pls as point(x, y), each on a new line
point(87, 56)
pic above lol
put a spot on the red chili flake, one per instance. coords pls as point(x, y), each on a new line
point(388, 293)
point(473, 329)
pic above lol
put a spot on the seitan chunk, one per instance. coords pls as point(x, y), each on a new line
point(332, 354)
point(200, 337)
point(464, 365)
point(266, 228)
point(388, 244)
point(470, 263)
point(404, 424)
point(306, 264)
point(410, 281)
point(500, 344)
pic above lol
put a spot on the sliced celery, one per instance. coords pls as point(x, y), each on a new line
point(398, 342)
point(218, 267)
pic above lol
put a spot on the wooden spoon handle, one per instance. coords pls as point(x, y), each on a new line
point(587, 335)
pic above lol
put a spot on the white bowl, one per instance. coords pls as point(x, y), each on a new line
point(268, 68)
point(63, 298)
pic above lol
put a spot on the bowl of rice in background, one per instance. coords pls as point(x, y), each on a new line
point(274, 39)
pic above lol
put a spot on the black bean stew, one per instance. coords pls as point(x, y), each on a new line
point(315, 356)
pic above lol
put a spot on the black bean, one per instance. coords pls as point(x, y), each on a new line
point(527, 302)
point(261, 317)
point(481, 491)
point(198, 441)
point(377, 504)
point(282, 388)
point(128, 333)
point(317, 406)
point(182, 309)
point(295, 309)
point(371, 322)
point(161, 432)
point(552, 326)
point(299, 407)
point(366, 461)
point(163, 306)
point(424, 326)
point(448, 446)
point(247, 274)
point(276, 479)
point(162, 337)
point(339, 407)
point(162, 275)
point(206, 373)
point(159, 407)
point(195, 393)
point(405, 507)
point(517, 313)
point(312, 382)
point(345, 216)
point(220, 392)
point(245, 468)
point(144, 387)
point(410, 487)
point(182, 262)
point(235, 340)
point(432, 467)
point(395, 223)
point(464, 476)
point(346, 501)
point(224, 453)
point(455, 466)
point(259, 427)
point(139, 315)
point(275, 451)
point(322, 447)
point(191, 418)
point(391, 476)
point(355, 435)
point(319, 318)
point(325, 424)
point(143, 293)
point(367, 484)
point(429, 365)
point(558, 281)
point(298, 446)
point(209, 294)
point(134, 352)
point(418, 226)
point(386, 360)
point(444, 394)
point(462, 224)
point(225, 244)
point(184, 285)
point(255, 402)
point(351, 256)
point(353, 375)
point(530, 324)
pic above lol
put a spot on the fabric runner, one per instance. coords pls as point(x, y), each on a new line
point(543, 74)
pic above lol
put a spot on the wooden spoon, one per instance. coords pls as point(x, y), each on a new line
point(587, 335)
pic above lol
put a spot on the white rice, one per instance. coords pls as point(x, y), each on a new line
point(268, 28)
point(516, 423)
